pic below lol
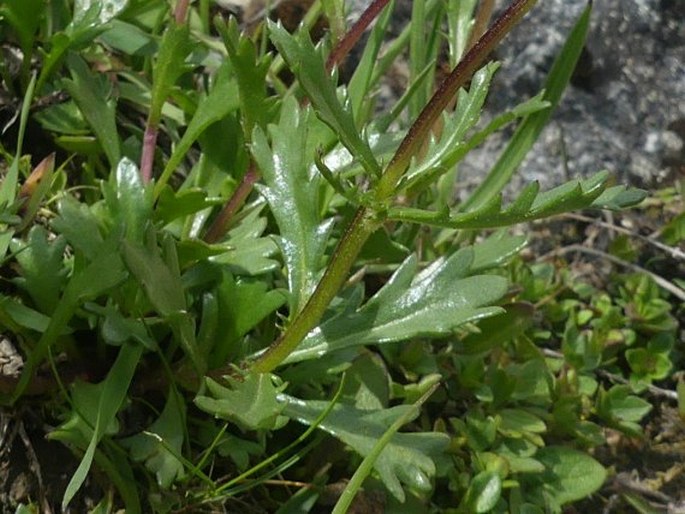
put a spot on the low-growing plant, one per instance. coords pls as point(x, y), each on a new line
point(227, 253)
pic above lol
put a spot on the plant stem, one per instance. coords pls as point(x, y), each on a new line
point(181, 11)
point(362, 226)
point(350, 39)
point(341, 50)
point(220, 225)
point(459, 76)
point(148, 154)
point(367, 219)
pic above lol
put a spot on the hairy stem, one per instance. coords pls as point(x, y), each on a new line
point(362, 226)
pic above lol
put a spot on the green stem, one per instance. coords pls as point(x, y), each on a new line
point(367, 219)
point(362, 226)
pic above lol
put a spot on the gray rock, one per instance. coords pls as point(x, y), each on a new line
point(625, 111)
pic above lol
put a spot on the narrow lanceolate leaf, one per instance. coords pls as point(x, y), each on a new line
point(92, 95)
point(408, 458)
point(530, 205)
point(219, 103)
point(292, 190)
point(465, 116)
point(430, 303)
point(114, 390)
point(251, 74)
point(307, 63)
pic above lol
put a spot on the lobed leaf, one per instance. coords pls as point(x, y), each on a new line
point(456, 124)
point(293, 195)
point(250, 402)
point(432, 302)
point(92, 94)
point(530, 128)
point(408, 458)
point(248, 253)
point(173, 50)
point(307, 64)
point(250, 72)
point(530, 205)
point(219, 103)
point(43, 273)
point(160, 445)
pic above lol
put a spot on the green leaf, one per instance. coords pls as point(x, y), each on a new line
point(172, 205)
point(248, 253)
point(219, 103)
point(250, 401)
point(307, 64)
point(408, 458)
point(292, 190)
point(22, 15)
point(516, 422)
point(251, 73)
point(529, 206)
point(360, 83)
point(161, 281)
point(483, 493)
point(619, 405)
point(432, 302)
point(569, 475)
point(367, 382)
point(104, 272)
point(77, 223)
point(43, 273)
point(465, 116)
point(92, 94)
point(529, 129)
point(650, 365)
point(105, 10)
point(113, 393)
point(8, 186)
point(117, 329)
point(129, 39)
point(456, 153)
point(129, 200)
point(160, 445)
point(173, 50)
point(493, 332)
point(15, 314)
point(241, 306)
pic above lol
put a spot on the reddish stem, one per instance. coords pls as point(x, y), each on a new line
point(354, 34)
point(148, 153)
point(459, 76)
point(181, 11)
point(222, 222)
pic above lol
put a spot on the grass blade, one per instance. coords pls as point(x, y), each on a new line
point(529, 130)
